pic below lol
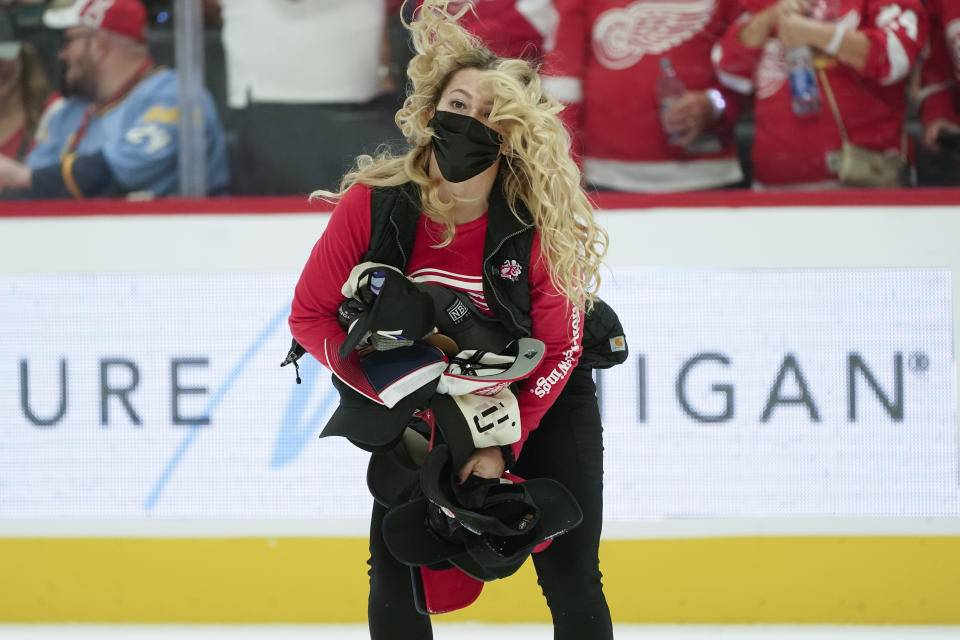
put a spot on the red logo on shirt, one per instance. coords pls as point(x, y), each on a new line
point(510, 270)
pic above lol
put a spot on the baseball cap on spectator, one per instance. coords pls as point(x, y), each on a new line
point(123, 17)
point(9, 44)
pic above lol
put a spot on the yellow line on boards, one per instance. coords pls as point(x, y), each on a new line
point(866, 580)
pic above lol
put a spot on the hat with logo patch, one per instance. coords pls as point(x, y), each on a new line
point(123, 17)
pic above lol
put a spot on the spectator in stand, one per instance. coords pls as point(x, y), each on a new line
point(604, 62)
point(23, 91)
point(940, 109)
point(309, 83)
point(865, 49)
point(117, 134)
point(509, 28)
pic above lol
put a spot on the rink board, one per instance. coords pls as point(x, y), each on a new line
point(859, 580)
point(204, 496)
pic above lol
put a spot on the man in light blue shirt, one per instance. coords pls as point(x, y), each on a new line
point(117, 134)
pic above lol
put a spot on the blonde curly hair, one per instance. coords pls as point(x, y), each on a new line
point(539, 171)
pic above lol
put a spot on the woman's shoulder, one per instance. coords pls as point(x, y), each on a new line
point(355, 202)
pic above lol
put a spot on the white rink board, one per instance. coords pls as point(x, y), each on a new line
point(222, 328)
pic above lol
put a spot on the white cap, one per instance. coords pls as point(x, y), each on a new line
point(63, 14)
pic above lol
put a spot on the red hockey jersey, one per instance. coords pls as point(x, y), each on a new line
point(790, 149)
point(604, 67)
point(941, 69)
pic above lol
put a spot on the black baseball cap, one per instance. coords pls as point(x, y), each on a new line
point(369, 425)
point(398, 308)
point(489, 540)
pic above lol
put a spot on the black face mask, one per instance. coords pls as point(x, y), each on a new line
point(464, 146)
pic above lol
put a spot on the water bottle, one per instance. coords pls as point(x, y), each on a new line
point(803, 81)
point(670, 88)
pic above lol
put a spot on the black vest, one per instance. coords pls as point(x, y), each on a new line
point(394, 214)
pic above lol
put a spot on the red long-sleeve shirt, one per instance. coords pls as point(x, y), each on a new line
point(313, 317)
point(791, 149)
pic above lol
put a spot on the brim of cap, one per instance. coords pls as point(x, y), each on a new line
point(9, 50)
point(368, 425)
point(442, 342)
point(410, 539)
point(487, 566)
point(443, 590)
point(357, 331)
point(412, 543)
point(453, 428)
point(530, 353)
point(397, 373)
point(63, 17)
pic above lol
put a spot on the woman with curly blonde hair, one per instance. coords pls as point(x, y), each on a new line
point(498, 214)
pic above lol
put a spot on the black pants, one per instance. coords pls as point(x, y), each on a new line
point(568, 447)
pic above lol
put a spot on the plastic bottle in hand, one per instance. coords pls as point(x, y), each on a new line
point(803, 81)
point(670, 88)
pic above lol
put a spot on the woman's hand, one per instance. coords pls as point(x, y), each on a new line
point(486, 463)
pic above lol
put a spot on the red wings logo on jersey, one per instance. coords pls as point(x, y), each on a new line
point(510, 270)
point(621, 37)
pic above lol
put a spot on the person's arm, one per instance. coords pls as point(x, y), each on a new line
point(559, 325)
point(938, 82)
point(49, 172)
point(849, 46)
point(762, 25)
point(565, 63)
point(734, 59)
point(313, 313)
point(76, 176)
point(888, 43)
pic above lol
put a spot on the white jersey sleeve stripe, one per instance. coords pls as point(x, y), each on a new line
point(739, 84)
point(544, 18)
point(899, 60)
point(563, 88)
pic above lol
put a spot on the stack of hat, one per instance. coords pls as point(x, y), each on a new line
point(484, 527)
